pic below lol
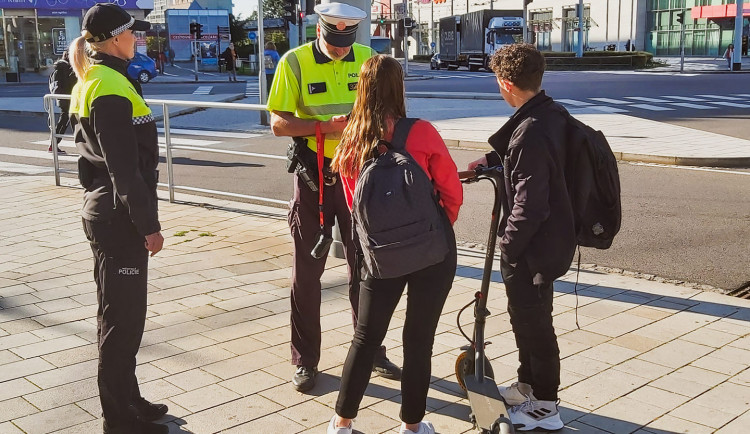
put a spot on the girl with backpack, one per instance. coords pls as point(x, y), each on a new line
point(377, 110)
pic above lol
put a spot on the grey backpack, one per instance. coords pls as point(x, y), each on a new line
point(396, 213)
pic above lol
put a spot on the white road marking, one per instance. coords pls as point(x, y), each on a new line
point(730, 104)
point(175, 141)
point(23, 168)
point(227, 134)
point(203, 90)
point(611, 101)
point(684, 98)
point(646, 99)
point(693, 106)
point(33, 153)
point(573, 102)
point(730, 98)
point(654, 108)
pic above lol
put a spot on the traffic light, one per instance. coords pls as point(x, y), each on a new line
point(381, 21)
point(198, 30)
point(193, 28)
point(290, 11)
point(408, 22)
point(681, 17)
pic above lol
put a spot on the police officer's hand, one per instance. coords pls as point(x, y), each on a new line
point(154, 243)
point(334, 125)
point(480, 162)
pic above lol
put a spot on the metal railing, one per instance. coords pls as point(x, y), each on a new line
point(49, 105)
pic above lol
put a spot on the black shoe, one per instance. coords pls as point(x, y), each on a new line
point(136, 427)
point(386, 369)
point(304, 378)
point(147, 411)
point(152, 428)
point(59, 151)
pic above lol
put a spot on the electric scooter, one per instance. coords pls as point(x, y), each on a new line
point(473, 369)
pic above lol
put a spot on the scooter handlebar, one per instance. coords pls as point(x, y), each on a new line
point(480, 172)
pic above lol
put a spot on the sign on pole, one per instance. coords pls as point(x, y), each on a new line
point(59, 41)
point(251, 36)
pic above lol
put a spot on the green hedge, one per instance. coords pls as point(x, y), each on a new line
point(598, 60)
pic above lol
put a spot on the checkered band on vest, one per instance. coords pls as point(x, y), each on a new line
point(140, 120)
point(123, 27)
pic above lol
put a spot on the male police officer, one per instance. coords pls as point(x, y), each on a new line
point(316, 84)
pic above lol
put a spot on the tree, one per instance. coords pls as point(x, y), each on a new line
point(271, 9)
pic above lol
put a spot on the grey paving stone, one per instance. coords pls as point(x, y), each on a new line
point(228, 415)
point(22, 368)
point(66, 394)
point(53, 420)
point(50, 346)
point(15, 408)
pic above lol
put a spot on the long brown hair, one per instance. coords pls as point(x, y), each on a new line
point(379, 103)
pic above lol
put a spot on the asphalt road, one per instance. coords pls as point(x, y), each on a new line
point(690, 225)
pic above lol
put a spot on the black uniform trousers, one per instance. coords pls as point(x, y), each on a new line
point(304, 223)
point(120, 273)
point(530, 310)
point(428, 290)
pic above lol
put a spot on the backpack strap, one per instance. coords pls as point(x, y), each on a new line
point(401, 132)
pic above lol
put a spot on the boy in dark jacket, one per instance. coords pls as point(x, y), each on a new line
point(537, 236)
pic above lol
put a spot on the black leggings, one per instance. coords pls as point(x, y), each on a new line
point(530, 310)
point(428, 290)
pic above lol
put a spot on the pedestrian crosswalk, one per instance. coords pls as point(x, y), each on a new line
point(659, 103)
point(252, 89)
point(203, 90)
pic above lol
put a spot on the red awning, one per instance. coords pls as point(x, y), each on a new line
point(721, 11)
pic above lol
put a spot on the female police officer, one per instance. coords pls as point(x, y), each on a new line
point(116, 137)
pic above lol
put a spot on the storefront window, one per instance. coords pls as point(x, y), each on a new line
point(22, 47)
point(53, 39)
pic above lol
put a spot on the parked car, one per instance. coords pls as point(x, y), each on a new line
point(437, 63)
point(142, 68)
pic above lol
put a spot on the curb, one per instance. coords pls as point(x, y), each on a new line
point(729, 162)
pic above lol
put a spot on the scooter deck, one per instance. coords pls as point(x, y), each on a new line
point(486, 403)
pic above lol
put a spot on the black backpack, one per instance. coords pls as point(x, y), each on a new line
point(593, 183)
point(396, 213)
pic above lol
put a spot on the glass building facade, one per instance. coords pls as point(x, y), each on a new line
point(703, 36)
point(36, 32)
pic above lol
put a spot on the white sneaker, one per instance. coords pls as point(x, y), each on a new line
point(333, 429)
point(533, 414)
point(516, 394)
point(424, 428)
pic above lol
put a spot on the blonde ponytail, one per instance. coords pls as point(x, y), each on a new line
point(79, 59)
point(80, 53)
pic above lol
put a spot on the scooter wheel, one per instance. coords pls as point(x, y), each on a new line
point(465, 366)
point(503, 426)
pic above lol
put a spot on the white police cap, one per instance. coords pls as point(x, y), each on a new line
point(338, 23)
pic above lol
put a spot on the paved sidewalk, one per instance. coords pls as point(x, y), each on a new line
point(649, 357)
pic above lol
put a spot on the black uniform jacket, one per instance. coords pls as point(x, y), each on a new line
point(537, 221)
point(119, 156)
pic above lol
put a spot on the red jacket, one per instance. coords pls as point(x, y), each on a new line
point(428, 149)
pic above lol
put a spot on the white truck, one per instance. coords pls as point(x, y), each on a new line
point(470, 39)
